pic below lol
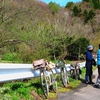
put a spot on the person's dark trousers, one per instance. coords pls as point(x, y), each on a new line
point(90, 78)
point(88, 73)
point(99, 69)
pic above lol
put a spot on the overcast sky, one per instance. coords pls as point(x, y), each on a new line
point(61, 2)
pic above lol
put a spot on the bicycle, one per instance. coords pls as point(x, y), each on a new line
point(75, 70)
point(47, 77)
point(63, 73)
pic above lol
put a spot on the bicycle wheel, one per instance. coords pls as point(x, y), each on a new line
point(55, 87)
point(44, 82)
point(54, 83)
point(73, 73)
point(64, 77)
point(77, 74)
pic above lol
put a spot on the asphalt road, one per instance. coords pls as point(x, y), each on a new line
point(83, 92)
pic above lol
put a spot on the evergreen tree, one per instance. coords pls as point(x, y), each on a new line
point(69, 5)
point(91, 14)
point(85, 0)
point(76, 11)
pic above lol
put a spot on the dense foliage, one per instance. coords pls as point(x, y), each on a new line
point(69, 5)
point(78, 48)
point(33, 30)
point(94, 3)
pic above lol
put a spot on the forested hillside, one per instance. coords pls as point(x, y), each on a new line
point(31, 29)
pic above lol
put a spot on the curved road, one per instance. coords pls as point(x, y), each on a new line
point(83, 92)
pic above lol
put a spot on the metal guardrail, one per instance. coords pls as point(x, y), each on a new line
point(11, 72)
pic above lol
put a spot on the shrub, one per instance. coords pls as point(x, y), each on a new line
point(11, 57)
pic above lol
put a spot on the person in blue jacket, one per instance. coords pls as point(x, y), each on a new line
point(89, 58)
point(97, 84)
point(98, 60)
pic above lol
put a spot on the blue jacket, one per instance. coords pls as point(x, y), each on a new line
point(98, 57)
point(89, 59)
point(89, 56)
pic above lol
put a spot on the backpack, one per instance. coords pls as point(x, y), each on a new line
point(93, 62)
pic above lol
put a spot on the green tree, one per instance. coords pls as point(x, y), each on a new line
point(54, 7)
point(85, 15)
point(76, 11)
point(91, 3)
point(96, 4)
point(78, 47)
point(85, 0)
point(69, 5)
point(89, 15)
